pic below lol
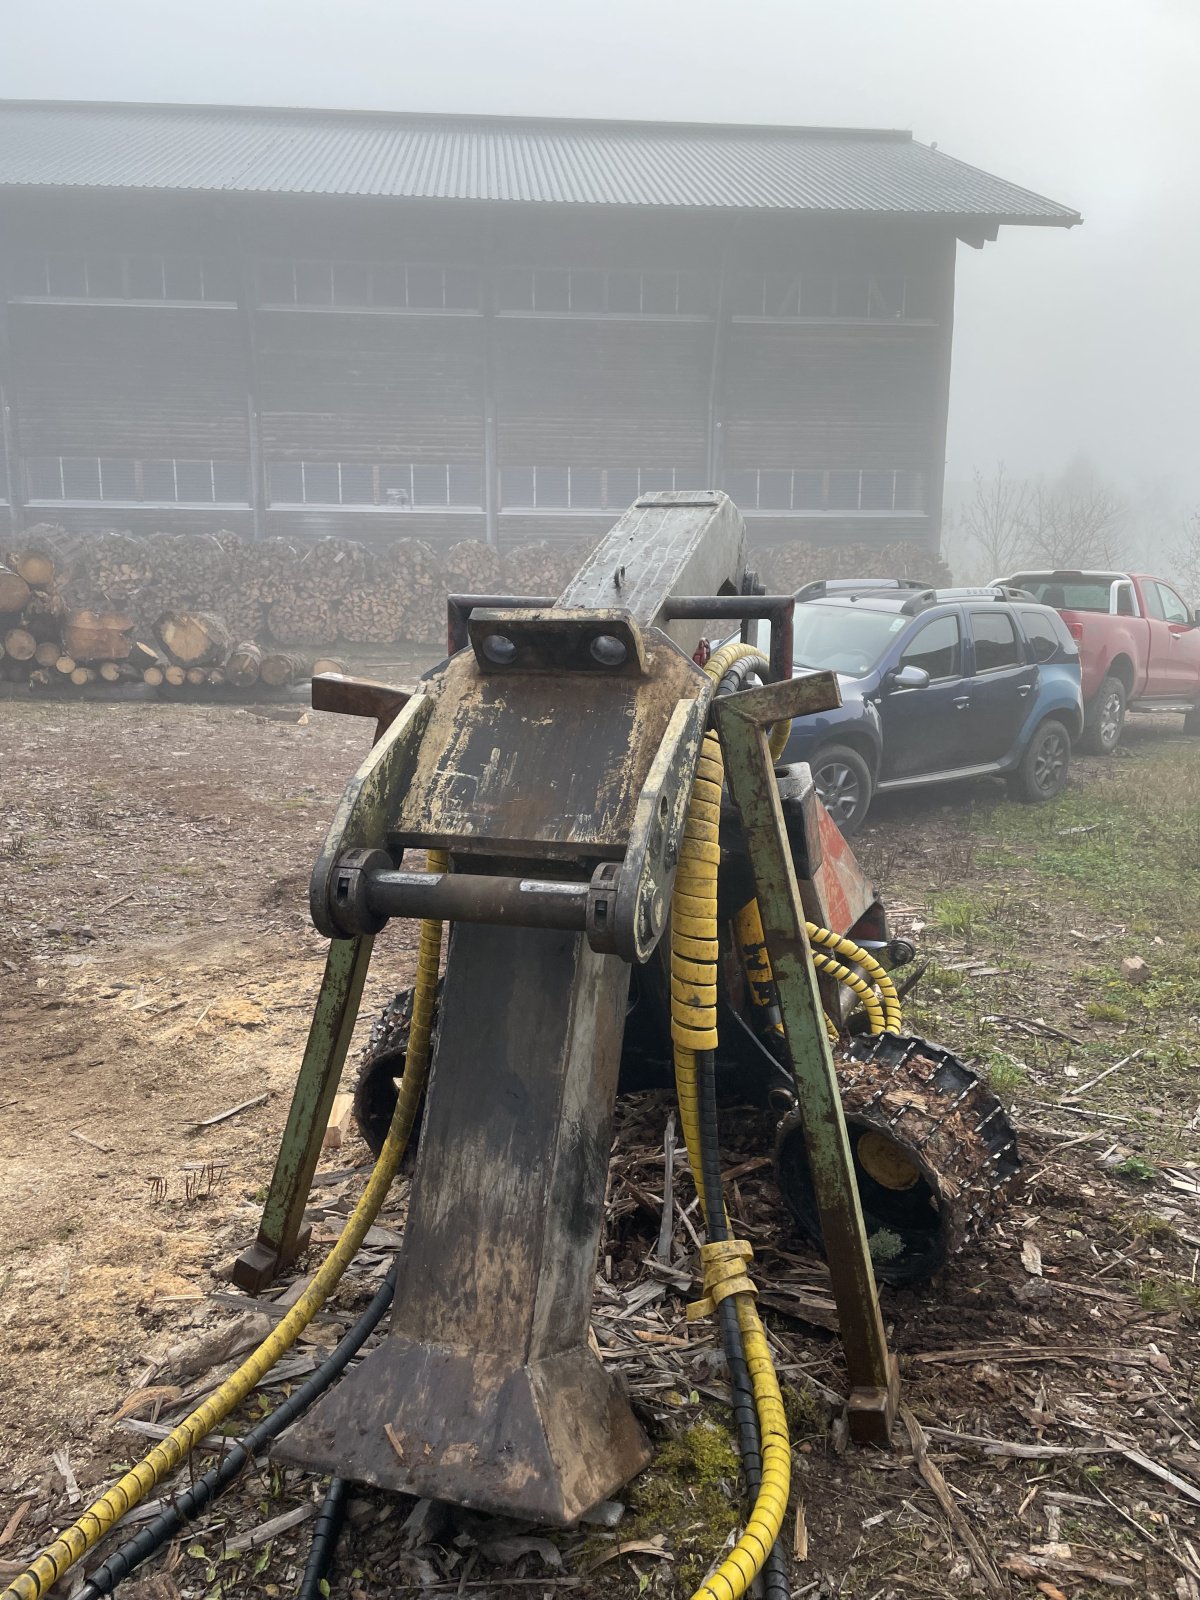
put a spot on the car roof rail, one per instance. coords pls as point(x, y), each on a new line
point(919, 601)
point(821, 587)
point(988, 591)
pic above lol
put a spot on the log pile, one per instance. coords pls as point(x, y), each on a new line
point(416, 577)
point(473, 567)
point(195, 610)
point(784, 568)
point(542, 568)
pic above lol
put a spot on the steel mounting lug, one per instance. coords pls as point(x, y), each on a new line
point(349, 909)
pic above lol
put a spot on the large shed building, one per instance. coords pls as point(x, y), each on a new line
point(370, 324)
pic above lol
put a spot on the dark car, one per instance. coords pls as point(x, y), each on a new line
point(937, 684)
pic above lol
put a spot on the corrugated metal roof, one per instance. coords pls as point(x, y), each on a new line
point(258, 150)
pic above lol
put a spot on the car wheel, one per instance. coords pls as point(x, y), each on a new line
point(1043, 770)
point(843, 784)
point(1105, 718)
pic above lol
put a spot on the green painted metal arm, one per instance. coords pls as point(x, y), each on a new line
point(280, 1237)
point(743, 721)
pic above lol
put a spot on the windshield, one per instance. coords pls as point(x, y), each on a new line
point(1067, 594)
point(842, 638)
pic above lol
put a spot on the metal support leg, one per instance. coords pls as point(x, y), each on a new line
point(743, 720)
point(280, 1239)
point(485, 1391)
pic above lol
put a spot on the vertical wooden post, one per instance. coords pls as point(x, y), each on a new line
point(491, 467)
point(716, 375)
point(935, 482)
point(9, 431)
point(255, 466)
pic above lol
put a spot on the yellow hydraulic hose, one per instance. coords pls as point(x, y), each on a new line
point(883, 1009)
point(879, 976)
point(694, 1029)
point(92, 1525)
point(719, 663)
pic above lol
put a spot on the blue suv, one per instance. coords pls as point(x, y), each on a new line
point(937, 684)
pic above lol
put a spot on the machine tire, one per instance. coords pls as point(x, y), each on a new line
point(1105, 719)
point(843, 783)
point(383, 1062)
point(1042, 774)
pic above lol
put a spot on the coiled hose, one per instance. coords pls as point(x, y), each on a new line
point(729, 667)
point(694, 954)
point(92, 1525)
point(189, 1502)
point(882, 1007)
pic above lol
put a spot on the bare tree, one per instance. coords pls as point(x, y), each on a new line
point(995, 520)
point(1075, 526)
point(1184, 559)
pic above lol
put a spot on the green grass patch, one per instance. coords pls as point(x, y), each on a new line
point(1105, 1011)
point(958, 911)
point(1129, 841)
point(1006, 1077)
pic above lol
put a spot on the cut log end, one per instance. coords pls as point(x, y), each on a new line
point(282, 670)
point(20, 644)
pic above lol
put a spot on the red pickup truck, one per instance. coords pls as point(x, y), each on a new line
point(1139, 646)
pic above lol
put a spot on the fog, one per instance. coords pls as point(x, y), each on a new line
point(1083, 343)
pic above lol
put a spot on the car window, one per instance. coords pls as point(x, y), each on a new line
point(842, 638)
point(1041, 636)
point(1154, 603)
point(935, 647)
point(995, 641)
point(1065, 594)
point(1125, 605)
point(1173, 607)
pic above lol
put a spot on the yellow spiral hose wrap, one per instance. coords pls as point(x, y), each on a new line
point(694, 954)
point(92, 1525)
point(879, 976)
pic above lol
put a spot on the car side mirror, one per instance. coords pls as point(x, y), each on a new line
point(908, 678)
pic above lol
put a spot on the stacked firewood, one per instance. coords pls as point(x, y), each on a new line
point(785, 567)
point(542, 568)
point(32, 606)
point(78, 611)
point(473, 567)
point(87, 608)
point(417, 578)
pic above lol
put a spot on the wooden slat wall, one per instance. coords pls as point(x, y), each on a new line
point(162, 381)
point(142, 520)
point(98, 380)
point(829, 397)
point(874, 532)
point(613, 394)
point(341, 387)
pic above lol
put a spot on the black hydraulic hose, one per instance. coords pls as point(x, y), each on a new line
point(324, 1540)
point(186, 1505)
point(734, 681)
point(744, 1412)
point(776, 1581)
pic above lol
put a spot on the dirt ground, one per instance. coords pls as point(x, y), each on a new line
point(157, 968)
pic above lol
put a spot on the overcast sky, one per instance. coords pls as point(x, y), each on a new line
point(1085, 341)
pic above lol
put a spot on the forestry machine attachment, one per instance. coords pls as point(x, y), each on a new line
point(628, 878)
